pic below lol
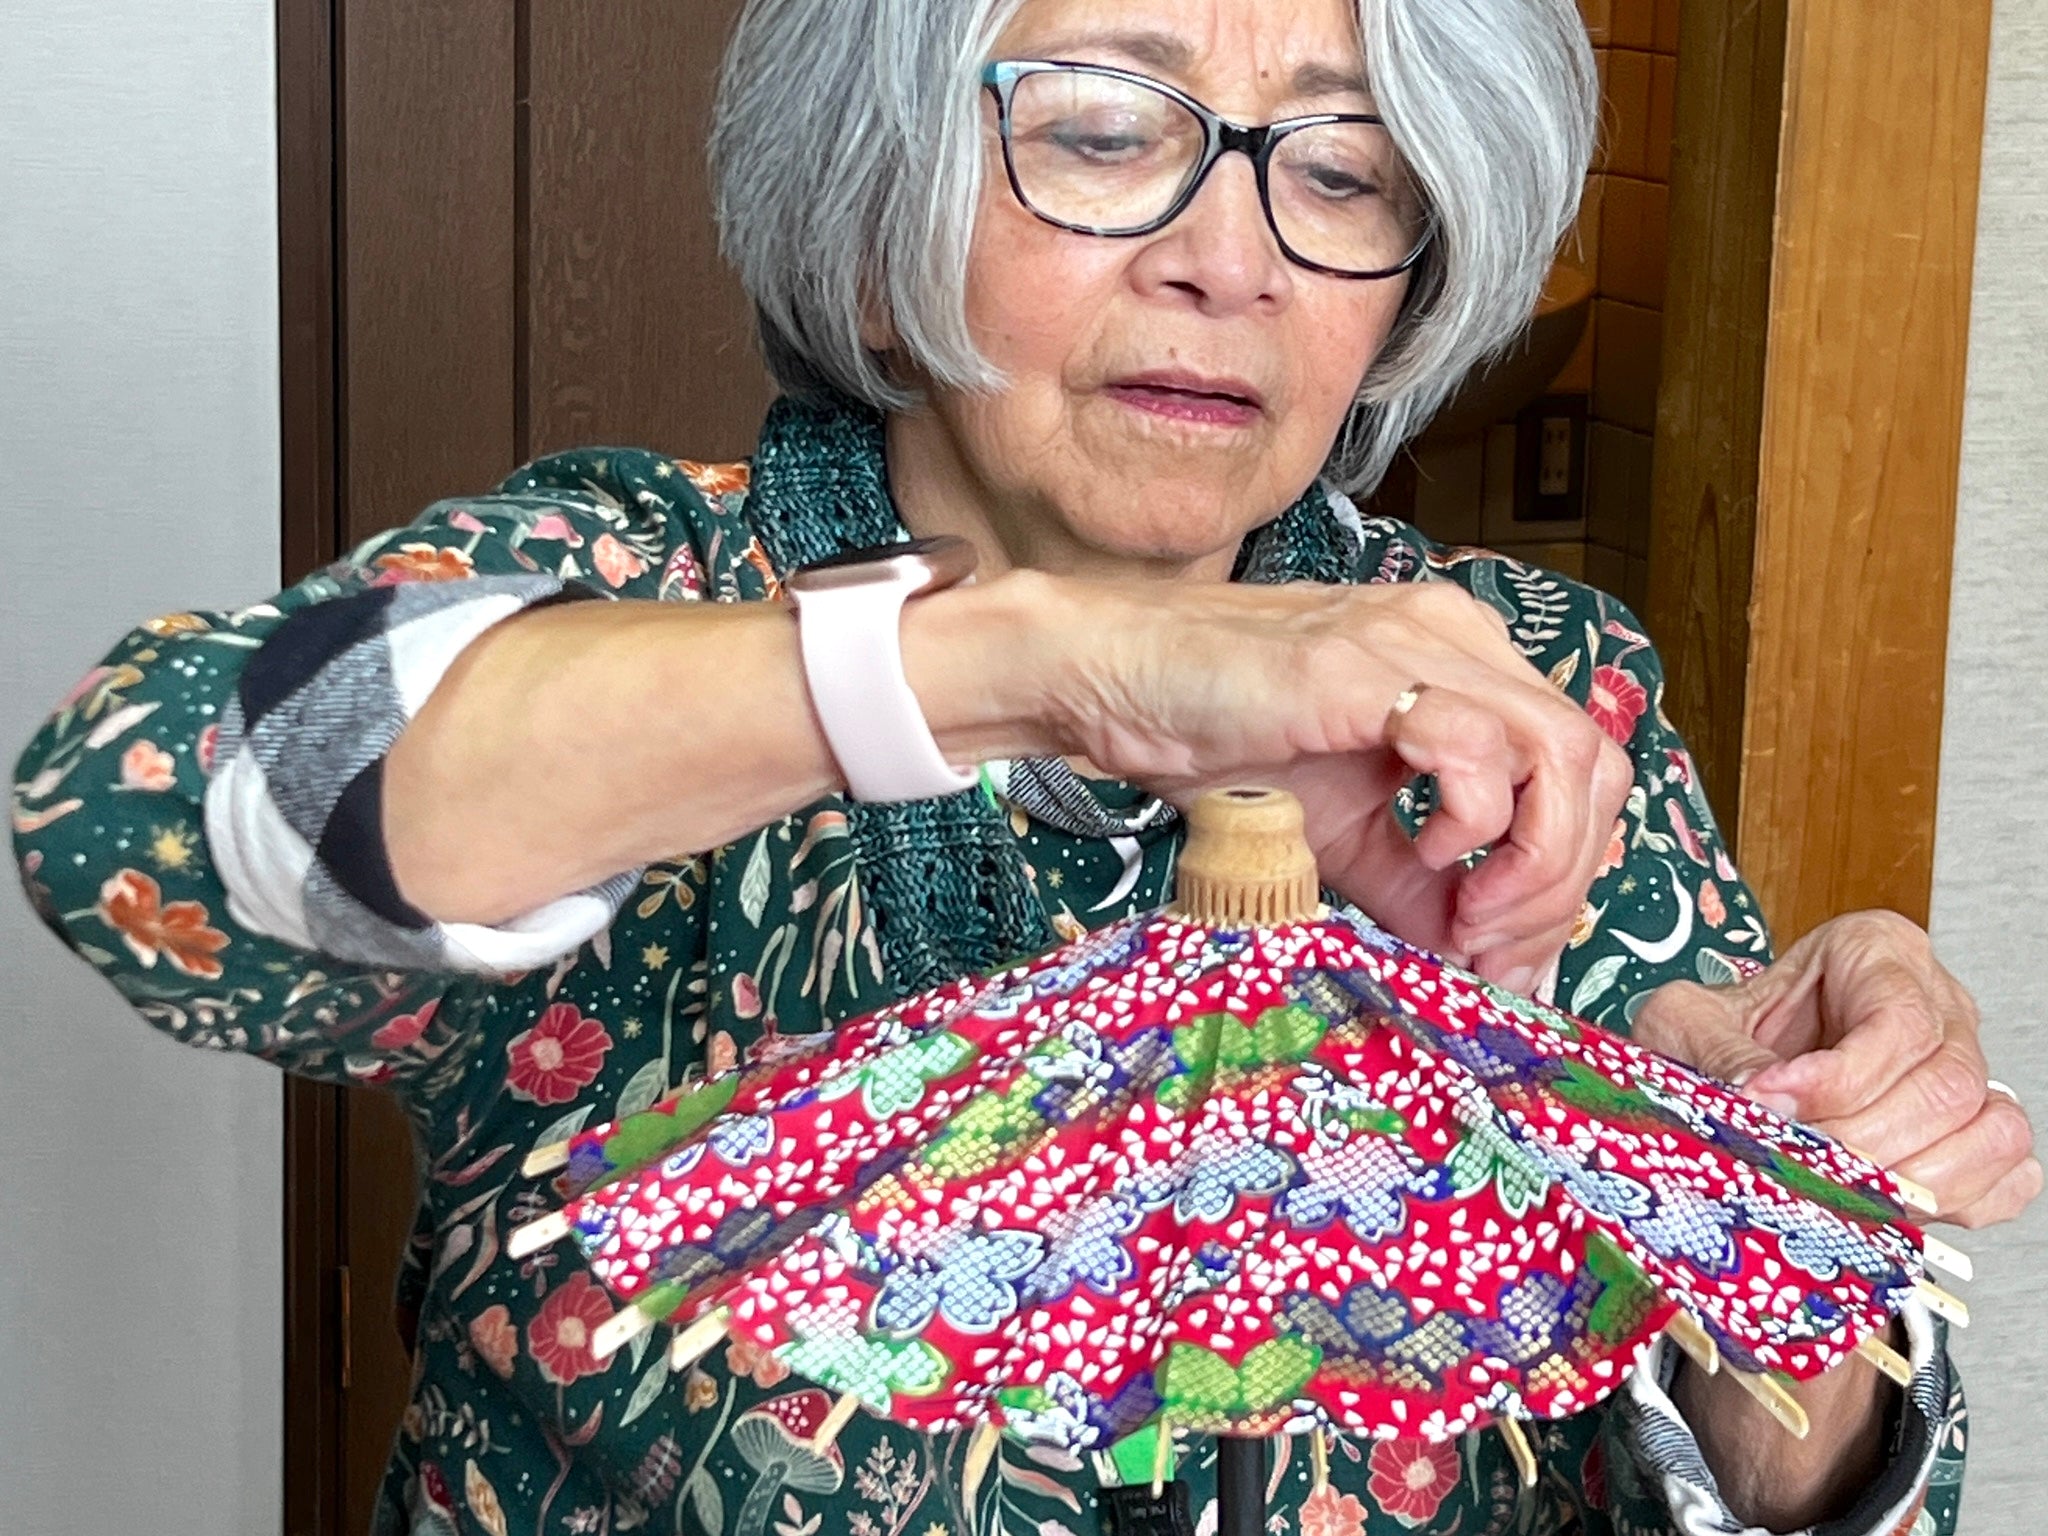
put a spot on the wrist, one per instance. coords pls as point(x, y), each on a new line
point(983, 661)
point(1768, 1477)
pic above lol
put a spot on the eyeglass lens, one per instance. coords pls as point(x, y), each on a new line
point(1114, 156)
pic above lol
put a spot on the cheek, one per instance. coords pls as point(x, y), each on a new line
point(1337, 336)
point(1035, 294)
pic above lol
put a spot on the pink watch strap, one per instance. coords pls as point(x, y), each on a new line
point(853, 659)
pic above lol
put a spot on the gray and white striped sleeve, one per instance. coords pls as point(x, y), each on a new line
point(1667, 1461)
point(294, 806)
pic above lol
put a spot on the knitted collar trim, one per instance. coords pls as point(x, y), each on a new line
point(945, 880)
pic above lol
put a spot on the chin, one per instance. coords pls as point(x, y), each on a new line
point(1199, 531)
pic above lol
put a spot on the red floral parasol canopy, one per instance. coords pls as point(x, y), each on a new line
point(1244, 1177)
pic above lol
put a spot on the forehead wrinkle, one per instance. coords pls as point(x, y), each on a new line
point(1162, 51)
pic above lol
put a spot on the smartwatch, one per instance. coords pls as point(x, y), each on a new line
point(849, 612)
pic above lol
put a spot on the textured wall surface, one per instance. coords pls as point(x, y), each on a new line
point(1991, 863)
point(139, 1220)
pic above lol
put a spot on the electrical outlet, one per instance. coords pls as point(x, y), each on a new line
point(1554, 457)
point(1549, 470)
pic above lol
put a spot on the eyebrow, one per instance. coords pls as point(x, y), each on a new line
point(1168, 54)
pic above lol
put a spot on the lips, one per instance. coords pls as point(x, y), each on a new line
point(1192, 397)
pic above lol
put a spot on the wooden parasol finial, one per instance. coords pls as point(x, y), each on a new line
point(1247, 862)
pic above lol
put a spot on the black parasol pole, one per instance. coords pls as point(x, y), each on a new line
point(1240, 1486)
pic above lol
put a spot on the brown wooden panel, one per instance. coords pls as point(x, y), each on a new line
point(381, 1186)
point(1710, 403)
point(1862, 444)
point(636, 332)
point(427, 254)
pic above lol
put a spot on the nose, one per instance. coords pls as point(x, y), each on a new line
point(1221, 253)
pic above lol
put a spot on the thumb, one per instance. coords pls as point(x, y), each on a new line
point(1708, 1031)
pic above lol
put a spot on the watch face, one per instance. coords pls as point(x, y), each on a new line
point(929, 565)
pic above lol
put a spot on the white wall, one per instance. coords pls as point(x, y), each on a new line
point(139, 1216)
point(1991, 861)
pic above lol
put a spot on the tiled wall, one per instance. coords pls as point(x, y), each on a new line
point(1464, 491)
point(1623, 229)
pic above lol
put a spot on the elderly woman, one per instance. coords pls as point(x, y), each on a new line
point(1113, 302)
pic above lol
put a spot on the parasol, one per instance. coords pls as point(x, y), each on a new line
point(1245, 1166)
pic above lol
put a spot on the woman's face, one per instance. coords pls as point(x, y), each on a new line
point(1169, 393)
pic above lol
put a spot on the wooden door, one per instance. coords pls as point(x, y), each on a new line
point(1809, 442)
point(497, 242)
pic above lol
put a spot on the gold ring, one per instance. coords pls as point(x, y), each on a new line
point(1407, 701)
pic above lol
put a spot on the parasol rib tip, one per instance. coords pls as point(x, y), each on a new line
point(1887, 1360)
point(543, 1160)
point(1779, 1403)
point(1917, 1196)
point(1698, 1344)
point(1520, 1449)
point(1319, 1458)
point(696, 1341)
point(622, 1329)
point(1162, 1458)
point(1941, 1303)
point(536, 1235)
point(1950, 1260)
point(835, 1422)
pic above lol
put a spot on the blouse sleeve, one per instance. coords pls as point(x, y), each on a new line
point(200, 819)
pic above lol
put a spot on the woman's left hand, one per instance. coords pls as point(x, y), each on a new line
point(1860, 1032)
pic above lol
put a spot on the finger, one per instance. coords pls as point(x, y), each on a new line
point(1463, 744)
point(1938, 1098)
point(2004, 1201)
point(1703, 1029)
point(1564, 818)
point(1963, 1167)
point(1525, 967)
point(1891, 1027)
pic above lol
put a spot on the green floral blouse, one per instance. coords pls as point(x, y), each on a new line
point(513, 1425)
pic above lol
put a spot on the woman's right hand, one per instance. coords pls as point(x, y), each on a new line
point(1183, 689)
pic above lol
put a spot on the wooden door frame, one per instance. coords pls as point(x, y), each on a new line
point(309, 507)
point(1809, 441)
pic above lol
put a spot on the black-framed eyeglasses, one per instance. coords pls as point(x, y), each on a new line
point(1103, 151)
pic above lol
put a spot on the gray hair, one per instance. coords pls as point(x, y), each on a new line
point(846, 151)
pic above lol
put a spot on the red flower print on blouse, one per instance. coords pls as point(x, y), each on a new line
point(1616, 703)
point(405, 1030)
point(1410, 1477)
point(743, 1357)
point(1712, 908)
point(1325, 1512)
point(615, 563)
point(495, 1340)
point(132, 905)
point(1593, 1476)
point(558, 1058)
point(715, 479)
point(209, 743)
point(145, 765)
point(559, 1339)
point(424, 562)
point(757, 557)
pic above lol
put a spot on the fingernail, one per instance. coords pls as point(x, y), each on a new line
point(1776, 1102)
